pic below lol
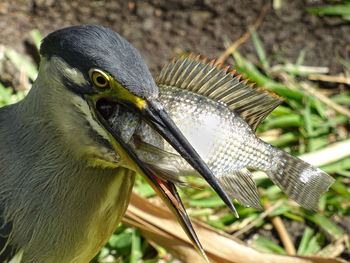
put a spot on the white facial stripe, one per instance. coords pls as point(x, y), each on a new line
point(72, 74)
point(84, 108)
point(76, 77)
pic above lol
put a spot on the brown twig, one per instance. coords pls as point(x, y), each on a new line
point(314, 93)
point(334, 249)
point(245, 37)
point(282, 232)
point(338, 79)
point(316, 71)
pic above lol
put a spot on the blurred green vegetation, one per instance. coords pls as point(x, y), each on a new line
point(336, 8)
point(305, 124)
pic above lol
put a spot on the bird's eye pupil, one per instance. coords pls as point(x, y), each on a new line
point(101, 80)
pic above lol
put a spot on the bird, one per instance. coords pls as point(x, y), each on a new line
point(65, 173)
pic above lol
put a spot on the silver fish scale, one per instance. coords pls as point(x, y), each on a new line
point(224, 141)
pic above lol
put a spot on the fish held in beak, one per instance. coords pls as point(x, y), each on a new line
point(121, 124)
point(219, 113)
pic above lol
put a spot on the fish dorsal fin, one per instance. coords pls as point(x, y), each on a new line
point(217, 83)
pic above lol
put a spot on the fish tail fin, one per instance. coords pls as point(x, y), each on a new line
point(300, 180)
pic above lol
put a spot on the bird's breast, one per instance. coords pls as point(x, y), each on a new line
point(106, 218)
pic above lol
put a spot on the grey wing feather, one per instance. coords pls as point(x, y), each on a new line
point(7, 251)
point(214, 82)
point(241, 186)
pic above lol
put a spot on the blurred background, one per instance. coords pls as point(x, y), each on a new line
point(297, 49)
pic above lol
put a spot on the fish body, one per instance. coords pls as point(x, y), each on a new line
point(218, 113)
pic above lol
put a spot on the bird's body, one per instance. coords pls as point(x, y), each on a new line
point(74, 191)
point(65, 174)
point(212, 108)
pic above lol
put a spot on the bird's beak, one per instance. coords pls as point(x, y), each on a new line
point(154, 114)
point(166, 190)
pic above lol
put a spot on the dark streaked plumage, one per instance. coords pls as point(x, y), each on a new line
point(6, 251)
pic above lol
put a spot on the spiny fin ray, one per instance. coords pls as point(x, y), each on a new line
point(241, 186)
point(205, 78)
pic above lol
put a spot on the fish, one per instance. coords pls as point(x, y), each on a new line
point(219, 113)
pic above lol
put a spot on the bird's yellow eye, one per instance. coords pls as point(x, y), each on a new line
point(100, 79)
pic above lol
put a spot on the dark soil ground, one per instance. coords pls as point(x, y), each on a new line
point(163, 28)
point(160, 29)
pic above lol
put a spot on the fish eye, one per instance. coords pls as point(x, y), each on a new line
point(99, 79)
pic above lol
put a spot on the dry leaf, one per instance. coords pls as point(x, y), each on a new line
point(158, 224)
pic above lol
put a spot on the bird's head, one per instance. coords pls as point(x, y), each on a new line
point(103, 74)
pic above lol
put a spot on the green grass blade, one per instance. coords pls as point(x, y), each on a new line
point(266, 245)
point(5, 95)
point(340, 188)
point(211, 202)
point(332, 10)
point(259, 48)
point(343, 164)
point(327, 225)
point(136, 252)
point(294, 217)
point(305, 240)
point(307, 119)
point(301, 57)
point(285, 139)
point(36, 36)
point(291, 120)
point(121, 240)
